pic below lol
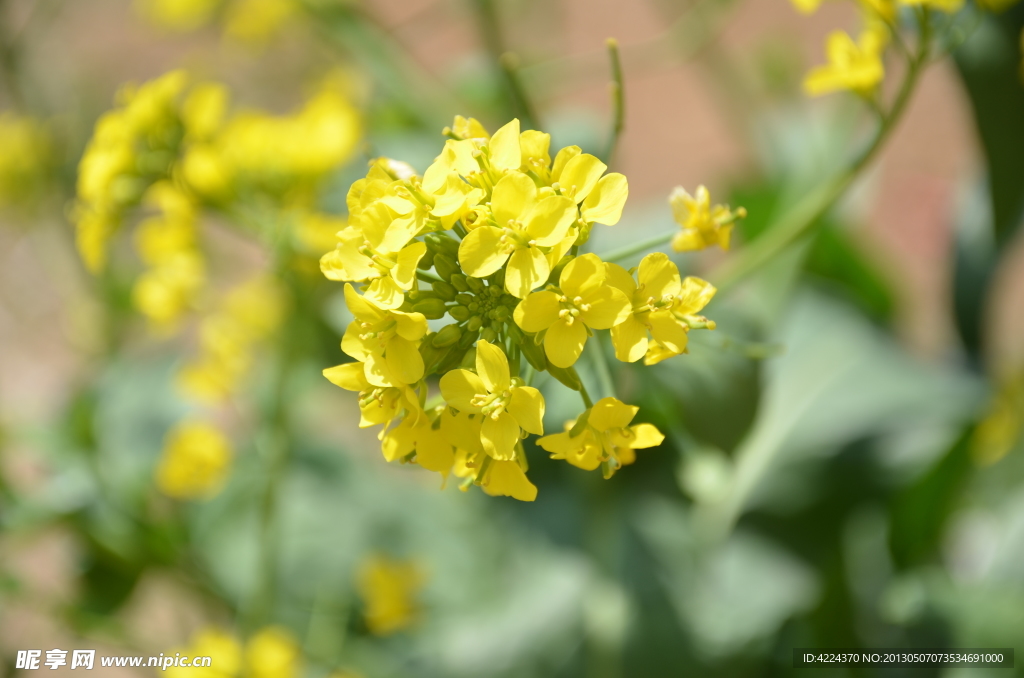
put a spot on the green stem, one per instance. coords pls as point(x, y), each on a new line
point(587, 402)
point(802, 218)
point(599, 362)
point(428, 276)
point(494, 41)
point(618, 93)
point(640, 247)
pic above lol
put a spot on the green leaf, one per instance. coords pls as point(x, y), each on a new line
point(990, 68)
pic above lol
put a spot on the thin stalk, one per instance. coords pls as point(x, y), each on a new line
point(599, 362)
point(634, 249)
point(507, 63)
point(618, 94)
point(799, 220)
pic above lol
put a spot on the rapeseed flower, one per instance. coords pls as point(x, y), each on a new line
point(855, 66)
point(663, 306)
point(581, 302)
point(195, 461)
point(484, 244)
point(602, 437)
point(703, 225)
point(388, 589)
point(508, 406)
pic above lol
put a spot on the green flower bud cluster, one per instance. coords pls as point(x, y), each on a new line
point(479, 307)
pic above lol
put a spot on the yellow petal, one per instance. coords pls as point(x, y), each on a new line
point(537, 312)
point(527, 406)
point(630, 340)
point(404, 360)
point(581, 275)
point(492, 367)
point(459, 387)
point(548, 222)
point(433, 452)
point(659, 275)
point(362, 308)
point(377, 372)
point(564, 342)
point(604, 204)
point(656, 353)
point(399, 233)
point(611, 413)
point(646, 435)
point(404, 272)
point(619, 278)
point(694, 295)
point(580, 176)
point(507, 479)
point(535, 147)
point(504, 147)
point(481, 252)
point(354, 345)
point(527, 270)
point(667, 331)
point(348, 376)
point(563, 157)
point(513, 197)
point(500, 436)
point(608, 307)
point(411, 326)
point(384, 293)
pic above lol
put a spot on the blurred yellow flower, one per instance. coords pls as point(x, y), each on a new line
point(702, 225)
point(177, 15)
point(505, 403)
point(602, 436)
point(25, 158)
point(247, 314)
point(388, 588)
point(855, 66)
point(195, 461)
point(273, 652)
point(255, 21)
point(223, 649)
point(663, 306)
point(582, 300)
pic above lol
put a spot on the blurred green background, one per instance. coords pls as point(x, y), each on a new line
point(843, 462)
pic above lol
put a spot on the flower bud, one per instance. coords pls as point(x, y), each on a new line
point(469, 360)
point(426, 261)
point(467, 339)
point(534, 354)
point(460, 282)
point(476, 284)
point(464, 299)
point(460, 313)
point(489, 335)
point(566, 376)
point(501, 313)
point(445, 266)
point(432, 309)
point(475, 323)
point(442, 243)
point(444, 290)
point(448, 335)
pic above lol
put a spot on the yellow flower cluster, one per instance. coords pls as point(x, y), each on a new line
point(493, 227)
point(388, 589)
point(703, 225)
point(195, 461)
point(228, 337)
point(272, 652)
point(167, 245)
point(173, 149)
point(251, 22)
point(132, 147)
point(25, 158)
point(857, 65)
point(166, 131)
